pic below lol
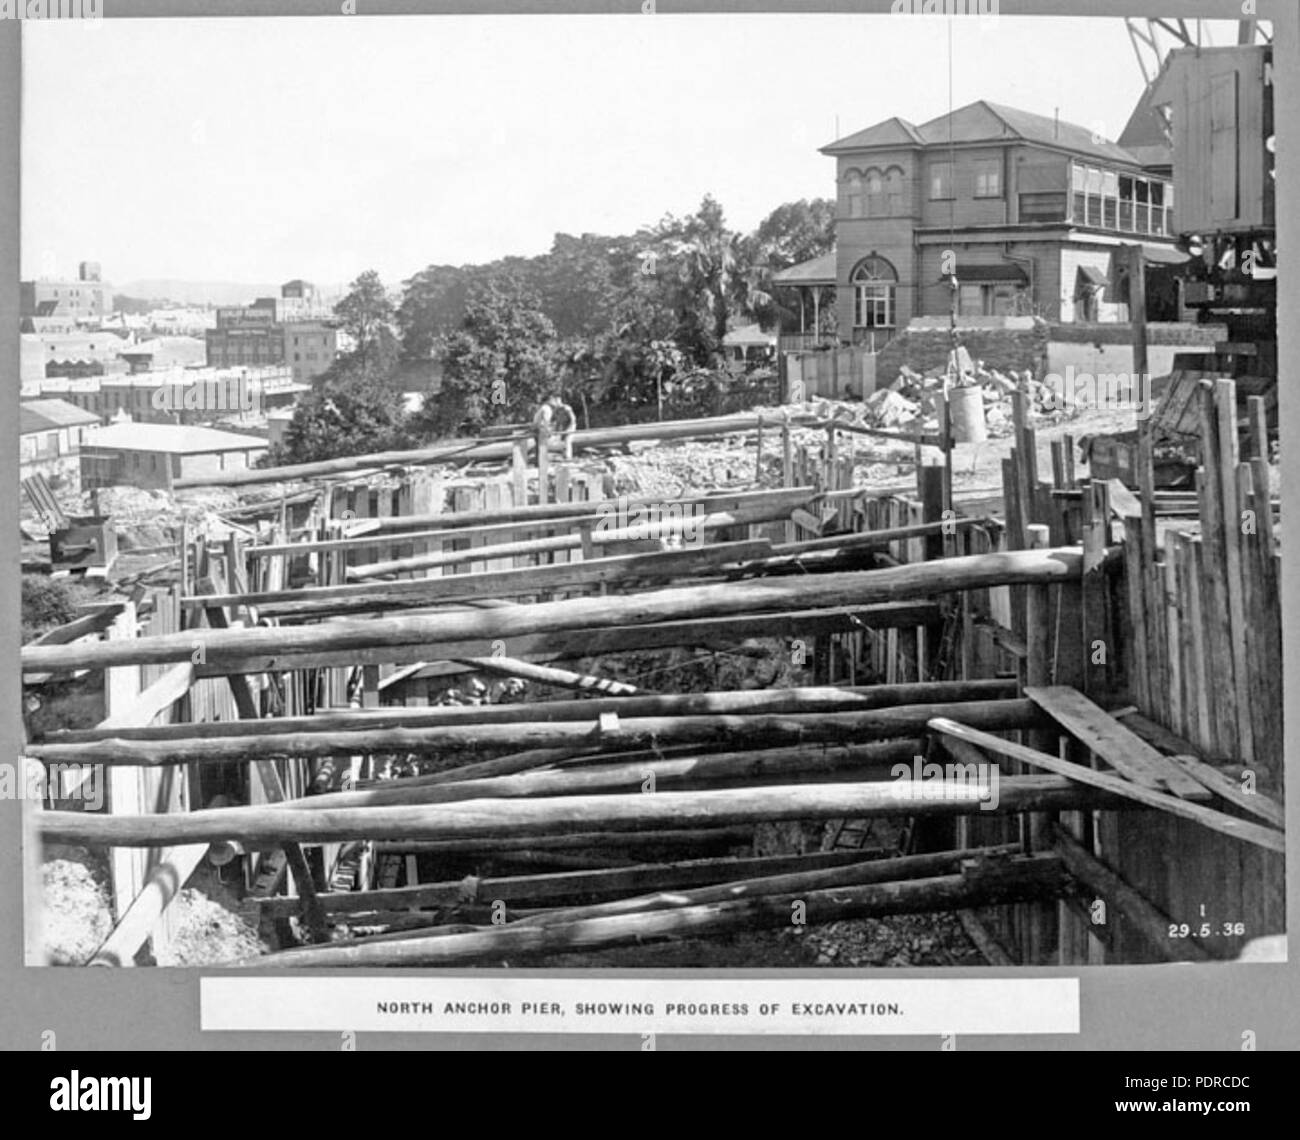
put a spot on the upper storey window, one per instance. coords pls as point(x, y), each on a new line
point(988, 178)
point(853, 195)
point(940, 180)
point(1127, 203)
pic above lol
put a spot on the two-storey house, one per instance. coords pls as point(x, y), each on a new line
point(987, 212)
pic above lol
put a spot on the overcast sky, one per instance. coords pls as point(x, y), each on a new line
point(264, 149)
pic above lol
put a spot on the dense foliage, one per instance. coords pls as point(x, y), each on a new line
point(624, 328)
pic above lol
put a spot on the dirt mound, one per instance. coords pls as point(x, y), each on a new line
point(207, 931)
point(77, 915)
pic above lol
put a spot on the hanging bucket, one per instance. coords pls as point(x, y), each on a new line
point(966, 414)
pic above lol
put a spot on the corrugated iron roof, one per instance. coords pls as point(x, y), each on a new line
point(816, 271)
point(174, 439)
point(49, 415)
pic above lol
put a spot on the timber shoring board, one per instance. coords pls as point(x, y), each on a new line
point(1265, 837)
point(1120, 896)
point(1032, 878)
point(608, 884)
point(1122, 749)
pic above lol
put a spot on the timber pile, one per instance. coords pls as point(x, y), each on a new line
point(616, 814)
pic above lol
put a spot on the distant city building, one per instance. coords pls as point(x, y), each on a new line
point(152, 456)
point(271, 331)
point(164, 352)
point(47, 326)
point(301, 301)
point(43, 355)
point(177, 395)
point(180, 322)
point(50, 437)
point(88, 299)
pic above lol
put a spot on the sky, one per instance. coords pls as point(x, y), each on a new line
point(259, 150)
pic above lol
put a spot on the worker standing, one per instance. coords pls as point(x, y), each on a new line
point(566, 423)
point(553, 418)
point(543, 421)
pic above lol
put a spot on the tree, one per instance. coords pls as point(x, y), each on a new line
point(795, 232)
point(353, 417)
point(366, 311)
point(432, 306)
point(498, 366)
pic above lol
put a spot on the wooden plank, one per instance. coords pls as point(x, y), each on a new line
point(610, 884)
point(983, 939)
point(126, 793)
point(140, 709)
point(1202, 712)
point(1022, 879)
point(1122, 749)
point(1139, 655)
point(1152, 579)
point(1169, 600)
point(1098, 644)
point(1126, 900)
point(268, 775)
point(1264, 837)
point(1257, 803)
point(164, 882)
point(1225, 408)
point(1214, 594)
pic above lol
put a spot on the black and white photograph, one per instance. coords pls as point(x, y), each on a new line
point(650, 491)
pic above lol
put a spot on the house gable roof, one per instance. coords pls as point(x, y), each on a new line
point(892, 132)
point(49, 415)
point(983, 121)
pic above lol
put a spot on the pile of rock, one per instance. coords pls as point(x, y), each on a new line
point(148, 519)
point(910, 402)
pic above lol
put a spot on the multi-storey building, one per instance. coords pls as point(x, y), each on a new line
point(989, 211)
point(268, 333)
point(86, 300)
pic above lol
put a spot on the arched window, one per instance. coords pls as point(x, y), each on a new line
point(875, 194)
point(874, 282)
point(894, 191)
point(853, 190)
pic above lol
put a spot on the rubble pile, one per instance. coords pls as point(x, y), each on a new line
point(909, 403)
point(146, 519)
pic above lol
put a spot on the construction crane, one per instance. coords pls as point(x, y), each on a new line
point(1153, 39)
